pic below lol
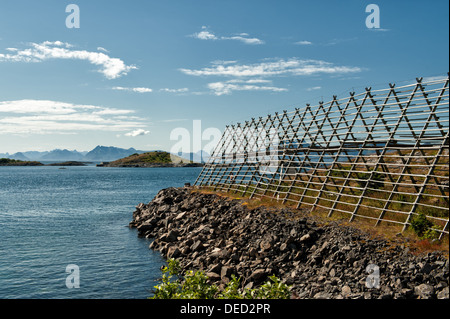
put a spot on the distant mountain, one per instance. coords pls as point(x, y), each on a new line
point(35, 155)
point(109, 153)
point(198, 157)
point(98, 154)
point(62, 155)
point(18, 156)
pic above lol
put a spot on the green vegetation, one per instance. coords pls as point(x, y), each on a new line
point(423, 227)
point(195, 286)
point(68, 163)
point(149, 159)
point(156, 157)
point(371, 180)
point(13, 162)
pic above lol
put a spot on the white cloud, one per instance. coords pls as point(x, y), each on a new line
point(337, 41)
point(182, 90)
point(293, 66)
point(250, 81)
point(108, 111)
point(434, 78)
point(102, 49)
point(137, 132)
point(303, 42)
point(244, 39)
point(223, 62)
point(205, 34)
point(314, 88)
point(221, 88)
point(253, 77)
point(43, 107)
point(55, 117)
point(111, 68)
point(137, 89)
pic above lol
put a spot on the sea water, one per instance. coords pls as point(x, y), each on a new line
point(51, 218)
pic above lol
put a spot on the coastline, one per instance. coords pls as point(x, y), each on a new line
point(222, 236)
point(9, 162)
point(36, 163)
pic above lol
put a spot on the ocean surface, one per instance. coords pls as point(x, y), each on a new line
point(52, 218)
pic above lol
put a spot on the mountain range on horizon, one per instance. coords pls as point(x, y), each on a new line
point(98, 154)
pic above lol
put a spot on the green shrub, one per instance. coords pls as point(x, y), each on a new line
point(371, 180)
point(421, 225)
point(431, 234)
point(169, 287)
point(195, 285)
point(273, 289)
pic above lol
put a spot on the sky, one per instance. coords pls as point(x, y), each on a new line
point(146, 74)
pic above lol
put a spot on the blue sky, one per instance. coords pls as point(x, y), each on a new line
point(136, 70)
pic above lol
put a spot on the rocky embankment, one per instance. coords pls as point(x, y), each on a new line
point(223, 237)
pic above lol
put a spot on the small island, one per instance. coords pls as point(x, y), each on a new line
point(151, 159)
point(69, 163)
point(13, 162)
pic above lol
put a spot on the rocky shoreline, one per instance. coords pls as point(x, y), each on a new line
point(223, 237)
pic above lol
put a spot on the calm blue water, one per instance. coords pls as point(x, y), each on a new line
point(50, 218)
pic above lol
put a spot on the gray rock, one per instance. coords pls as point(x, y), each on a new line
point(180, 216)
point(252, 252)
point(226, 272)
point(320, 260)
point(346, 291)
point(217, 252)
point(443, 294)
point(173, 252)
point(172, 236)
point(197, 246)
point(146, 226)
point(216, 268)
point(213, 276)
point(265, 245)
point(426, 268)
point(257, 275)
point(305, 237)
point(424, 291)
point(322, 295)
